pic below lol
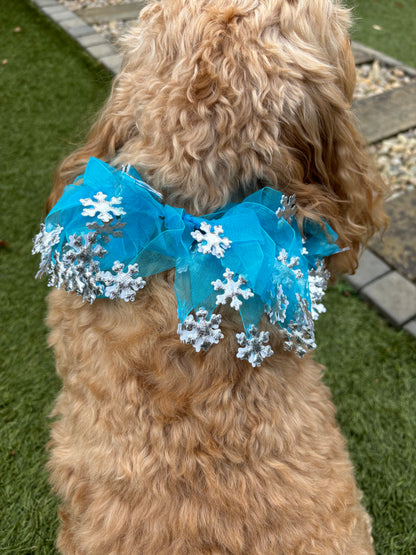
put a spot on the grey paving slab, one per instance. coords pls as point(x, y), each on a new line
point(80, 32)
point(46, 3)
point(394, 296)
point(91, 39)
point(54, 9)
point(71, 23)
point(101, 50)
point(61, 16)
point(387, 114)
point(122, 12)
point(411, 328)
point(398, 245)
point(370, 268)
point(113, 63)
point(361, 54)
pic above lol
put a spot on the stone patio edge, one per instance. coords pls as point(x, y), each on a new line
point(372, 268)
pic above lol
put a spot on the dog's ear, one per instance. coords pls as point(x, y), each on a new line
point(332, 174)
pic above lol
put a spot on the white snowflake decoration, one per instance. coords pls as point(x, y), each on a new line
point(294, 261)
point(209, 241)
point(201, 333)
point(278, 314)
point(77, 270)
point(301, 334)
point(43, 243)
point(252, 349)
point(83, 249)
point(80, 278)
point(318, 280)
point(232, 289)
point(122, 284)
point(102, 207)
point(288, 208)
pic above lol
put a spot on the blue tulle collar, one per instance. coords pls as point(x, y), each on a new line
point(111, 230)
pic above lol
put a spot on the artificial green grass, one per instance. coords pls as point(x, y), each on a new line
point(388, 26)
point(50, 89)
point(372, 376)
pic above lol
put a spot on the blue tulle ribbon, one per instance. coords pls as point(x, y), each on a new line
point(110, 223)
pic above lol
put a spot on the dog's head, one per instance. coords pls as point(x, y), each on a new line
point(218, 98)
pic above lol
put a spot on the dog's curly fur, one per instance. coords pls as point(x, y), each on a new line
point(162, 450)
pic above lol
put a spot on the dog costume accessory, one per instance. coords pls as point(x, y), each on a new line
point(111, 230)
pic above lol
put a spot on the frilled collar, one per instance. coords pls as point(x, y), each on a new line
point(110, 231)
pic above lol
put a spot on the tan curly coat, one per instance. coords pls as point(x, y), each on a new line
point(162, 450)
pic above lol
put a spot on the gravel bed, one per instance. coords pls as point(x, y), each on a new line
point(374, 79)
point(396, 161)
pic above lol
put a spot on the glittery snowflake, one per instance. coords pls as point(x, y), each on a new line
point(43, 243)
point(278, 314)
point(209, 241)
point(292, 263)
point(83, 248)
point(252, 348)
point(80, 278)
point(300, 334)
point(105, 230)
point(232, 289)
point(102, 207)
point(201, 333)
point(77, 270)
point(122, 284)
point(288, 208)
point(318, 280)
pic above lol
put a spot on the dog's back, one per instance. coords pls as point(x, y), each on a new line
point(159, 449)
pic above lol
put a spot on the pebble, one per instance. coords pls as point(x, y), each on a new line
point(395, 158)
point(374, 79)
point(396, 161)
point(114, 30)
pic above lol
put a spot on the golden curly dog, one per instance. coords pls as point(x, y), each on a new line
point(159, 449)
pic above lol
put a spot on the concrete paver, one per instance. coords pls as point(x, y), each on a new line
point(394, 296)
point(101, 50)
point(387, 114)
point(371, 268)
point(113, 63)
point(361, 55)
point(398, 246)
point(411, 328)
point(91, 39)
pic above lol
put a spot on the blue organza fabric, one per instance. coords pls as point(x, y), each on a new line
point(110, 230)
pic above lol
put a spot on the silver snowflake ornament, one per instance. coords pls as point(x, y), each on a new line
point(80, 278)
point(83, 248)
point(122, 284)
point(102, 207)
point(43, 243)
point(318, 280)
point(278, 314)
point(291, 264)
point(301, 334)
point(288, 208)
point(209, 241)
point(106, 229)
point(201, 333)
point(253, 348)
point(232, 290)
